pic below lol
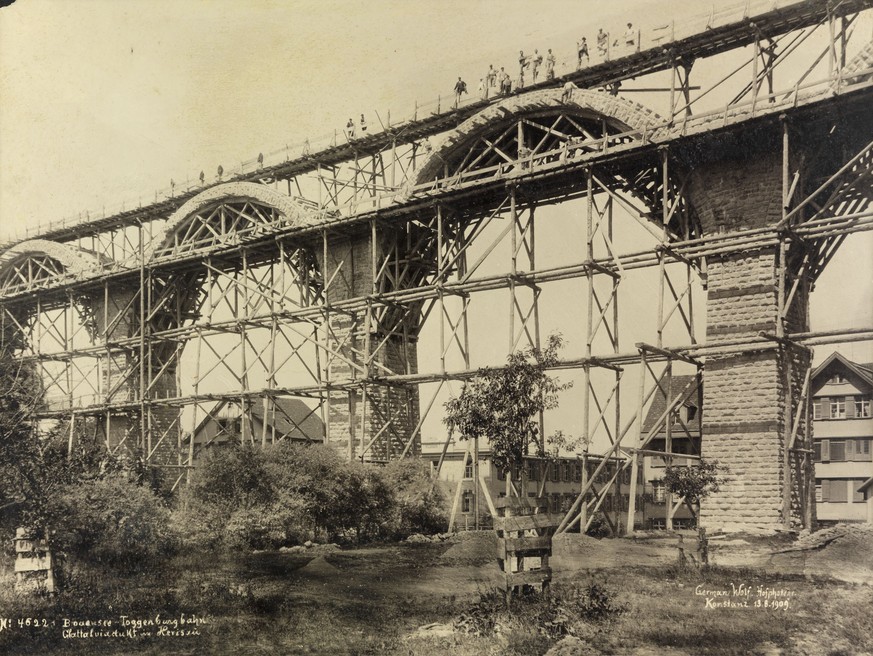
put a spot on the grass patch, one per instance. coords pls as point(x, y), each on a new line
point(373, 600)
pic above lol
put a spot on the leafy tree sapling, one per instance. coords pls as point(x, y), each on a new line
point(695, 482)
point(503, 405)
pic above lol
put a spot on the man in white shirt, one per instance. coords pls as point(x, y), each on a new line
point(630, 36)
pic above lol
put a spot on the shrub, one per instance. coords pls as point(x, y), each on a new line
point(113, 521)
point(481, 617)
point(419, 505)
point(599, 528)
point(234, 477)
point(290, 492)
point(565, 611)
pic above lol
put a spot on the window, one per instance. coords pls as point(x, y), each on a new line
point(816, 409)
point(467, 502)
point(816, 447)
point(659, 492)
point(565, 472)
point(819, 497)
point(825, 450)
point(838, 491)
point(862, 450)
point(857, 496)
point(838, 450)
point(838, 378)
point(230, 425)
point(468, 470)
point(555, 472)
point(577, 472)
point(862, 406)
point(838, 407)
point(533, 470)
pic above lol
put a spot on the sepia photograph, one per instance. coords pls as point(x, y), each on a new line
point(436, 327)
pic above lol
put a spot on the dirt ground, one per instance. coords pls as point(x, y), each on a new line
point(404, 599)
point(844, 553)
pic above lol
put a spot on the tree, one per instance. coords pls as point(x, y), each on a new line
point(695, 482)
point(24, 459)
point(503, 404)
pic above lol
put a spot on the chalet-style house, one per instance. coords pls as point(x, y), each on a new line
point(842, 435)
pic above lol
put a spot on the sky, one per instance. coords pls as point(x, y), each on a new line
point(103, 101)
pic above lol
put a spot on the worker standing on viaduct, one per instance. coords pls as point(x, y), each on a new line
point(582, 48)
point(460, 87)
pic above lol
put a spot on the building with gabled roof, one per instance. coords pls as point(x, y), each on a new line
point(841, 393)
point(282, 418)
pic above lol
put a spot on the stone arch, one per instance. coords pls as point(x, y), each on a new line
point(257, 198)
point(31, 264)
point(620, 114)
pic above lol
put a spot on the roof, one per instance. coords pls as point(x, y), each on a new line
point(292, 418)
point(659, 405)
point(863, 371)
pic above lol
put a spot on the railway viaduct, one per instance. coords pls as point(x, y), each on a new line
point(311, 275)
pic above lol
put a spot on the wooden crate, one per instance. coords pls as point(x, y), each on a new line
point(34, 567)
point(524, 542)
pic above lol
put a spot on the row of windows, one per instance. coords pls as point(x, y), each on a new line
point(838, 490)
point(848, 450)
point(841, 407)
point(563, 502)
point(559, 472)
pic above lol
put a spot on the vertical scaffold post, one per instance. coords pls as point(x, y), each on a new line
point(632, 506)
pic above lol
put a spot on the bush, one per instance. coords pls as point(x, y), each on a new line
point(564, 611)
point(599, 528)
point(419, 505)
point(244, 497)
point(234, 477)
point(112, 521)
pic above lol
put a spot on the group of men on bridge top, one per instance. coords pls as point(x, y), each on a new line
point(500, 82)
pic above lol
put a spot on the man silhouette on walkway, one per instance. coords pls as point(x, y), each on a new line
point(460, 87)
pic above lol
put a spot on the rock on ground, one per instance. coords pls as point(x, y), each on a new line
point(318, 566)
